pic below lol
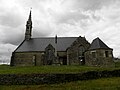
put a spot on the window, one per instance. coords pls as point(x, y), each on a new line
point(34, 59)
point(81, 50)
point(81, 55)
point(101, 54)
point(49, 54)
point(110, 54)
point(106, 54)
point(93, 54)
point(27, 27)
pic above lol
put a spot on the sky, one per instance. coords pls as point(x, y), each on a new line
point(66, 18)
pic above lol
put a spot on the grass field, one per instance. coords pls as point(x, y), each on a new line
point(98, 84)
point(117, 64)
point(49, 69)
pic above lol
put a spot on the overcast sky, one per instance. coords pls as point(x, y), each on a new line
point(89, 18)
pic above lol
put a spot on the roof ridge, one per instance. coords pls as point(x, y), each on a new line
point(52, 37)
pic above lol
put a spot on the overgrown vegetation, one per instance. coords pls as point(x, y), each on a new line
point(117, 64)
point(98, 84)
point(4, 69)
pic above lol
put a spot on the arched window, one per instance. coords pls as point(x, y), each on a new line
point(34, 59)
point(49, 55)
point(81, 50)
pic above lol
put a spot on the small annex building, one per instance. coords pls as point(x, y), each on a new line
point(60, 51)
point(99, 54)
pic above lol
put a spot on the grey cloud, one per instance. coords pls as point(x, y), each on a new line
point(15, 40)
point(10, 21)
point(77, 15)
point(31, 3)
point(40, 34)
point(40, 31)
point(70, 16)
point(92, 4)
point(12, 35)
point(5, 52)
point(83, 4)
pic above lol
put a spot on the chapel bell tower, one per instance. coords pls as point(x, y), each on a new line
point(28, 28)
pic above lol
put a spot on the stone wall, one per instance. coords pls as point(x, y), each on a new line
point(34, 58)
point(99, 58)
point(74, 52)
point(27, 59)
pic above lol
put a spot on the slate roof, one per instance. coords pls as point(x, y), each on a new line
point(98, 44)
point(39, 44)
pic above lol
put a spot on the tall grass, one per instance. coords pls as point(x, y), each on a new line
point(48, 69)
point(117, 64)
point(99, 84)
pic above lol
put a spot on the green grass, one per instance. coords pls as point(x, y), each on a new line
point(48, 69)
point(6, 69)
point(117, 64)
point(98, 84)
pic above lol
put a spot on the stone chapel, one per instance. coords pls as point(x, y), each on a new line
point(60, 51)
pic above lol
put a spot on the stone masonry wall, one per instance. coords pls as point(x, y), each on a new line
point(73, 50)
point(99, 58)
point(27, 59)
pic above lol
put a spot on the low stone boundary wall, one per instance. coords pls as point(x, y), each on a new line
point(35, 79)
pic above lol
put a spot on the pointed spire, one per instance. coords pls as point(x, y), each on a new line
point(28, 32)
point(56, 39)
point(29, 19)
point(56, 60)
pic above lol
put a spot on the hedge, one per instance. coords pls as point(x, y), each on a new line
point(35, 79)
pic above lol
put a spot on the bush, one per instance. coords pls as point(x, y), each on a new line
point(35, 79)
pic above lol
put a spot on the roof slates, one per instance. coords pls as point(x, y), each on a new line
point(98, 44)
point(39, 44)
